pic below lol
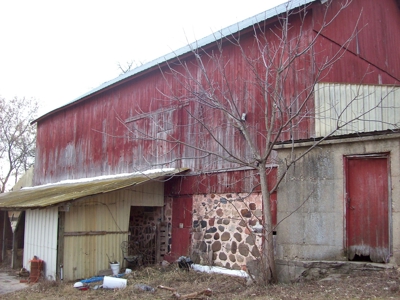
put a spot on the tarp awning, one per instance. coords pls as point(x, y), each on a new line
point(56, 193)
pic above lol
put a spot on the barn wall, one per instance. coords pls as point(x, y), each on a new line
point(100, 134)
point(41, 227)
point(104, 133)
point(244, 181)
point(315, 187)
point(108, 215)
point(371, 57)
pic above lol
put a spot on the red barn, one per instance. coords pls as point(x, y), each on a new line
point(177, 138)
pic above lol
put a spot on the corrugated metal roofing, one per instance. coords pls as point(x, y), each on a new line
point(356, 108)
point(53, 194)
point(230, 30)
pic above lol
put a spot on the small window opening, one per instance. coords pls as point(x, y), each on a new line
point(361, 258)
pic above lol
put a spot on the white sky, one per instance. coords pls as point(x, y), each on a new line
point(55, 51)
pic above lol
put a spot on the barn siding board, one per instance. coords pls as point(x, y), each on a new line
point(224, 182)
point(375, 43)
point(85, 255)
point(372, 54)
point(41, 239)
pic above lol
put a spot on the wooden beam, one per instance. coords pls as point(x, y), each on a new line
point(83, 233)
point(60, 245)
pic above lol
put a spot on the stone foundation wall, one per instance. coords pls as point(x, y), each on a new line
point(297, 270)
point(226, 229)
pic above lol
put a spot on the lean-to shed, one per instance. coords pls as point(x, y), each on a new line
point(80, 223)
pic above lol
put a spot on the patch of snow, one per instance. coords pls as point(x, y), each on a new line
point(103, 177)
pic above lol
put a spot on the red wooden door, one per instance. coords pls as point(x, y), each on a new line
point(367, 208)
point(181, 226)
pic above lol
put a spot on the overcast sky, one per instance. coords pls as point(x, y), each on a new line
point(55, 51)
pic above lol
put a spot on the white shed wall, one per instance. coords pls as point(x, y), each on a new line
point(41, 228)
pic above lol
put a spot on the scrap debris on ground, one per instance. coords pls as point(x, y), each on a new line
point(171, 282)
point(195, 295)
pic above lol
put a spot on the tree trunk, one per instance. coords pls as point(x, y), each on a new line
point(268, 244)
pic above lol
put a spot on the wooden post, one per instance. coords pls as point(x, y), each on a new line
point(3, 250)
point(13, 251)
point(14, 217)
point(60, 243)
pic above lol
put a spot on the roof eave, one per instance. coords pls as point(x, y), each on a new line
point(63, 192)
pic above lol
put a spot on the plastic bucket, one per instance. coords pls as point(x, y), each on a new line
point(115, 269)
point(114, 283)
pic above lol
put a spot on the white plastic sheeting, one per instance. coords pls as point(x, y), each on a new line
point(219, 270)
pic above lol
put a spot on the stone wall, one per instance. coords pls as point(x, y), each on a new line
point(297, 271)
point(226, 229)
point(143, 229)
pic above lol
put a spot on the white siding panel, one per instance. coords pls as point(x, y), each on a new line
point(41, 239)
point(355, 108)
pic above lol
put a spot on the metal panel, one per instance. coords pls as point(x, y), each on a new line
point(367, 208)
point(41, 239)
point(96, 226)
point(53, 194)
point(364, 108)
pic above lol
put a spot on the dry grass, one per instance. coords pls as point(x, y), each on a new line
point(367, 285)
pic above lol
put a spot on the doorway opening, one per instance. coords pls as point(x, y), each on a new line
point(148, 235)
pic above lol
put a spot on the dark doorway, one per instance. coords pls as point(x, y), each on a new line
point(144, 233)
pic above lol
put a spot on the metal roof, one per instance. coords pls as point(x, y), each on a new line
point(54, 194)
point(223, 33)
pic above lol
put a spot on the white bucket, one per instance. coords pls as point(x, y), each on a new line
point(114, 283)
point(115, 269)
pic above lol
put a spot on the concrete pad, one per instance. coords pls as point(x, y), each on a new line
point(10, 283)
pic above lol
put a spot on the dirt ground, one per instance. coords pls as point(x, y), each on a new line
point(361, 285)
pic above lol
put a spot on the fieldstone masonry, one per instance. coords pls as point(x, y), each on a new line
point(226, 229)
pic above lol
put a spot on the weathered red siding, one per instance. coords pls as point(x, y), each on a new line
point(97, 136)
point(372, 55)
point(219, 183)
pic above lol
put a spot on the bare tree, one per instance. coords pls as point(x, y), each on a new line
point(236, 119)
point(17, 139)
point(128, 66)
